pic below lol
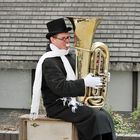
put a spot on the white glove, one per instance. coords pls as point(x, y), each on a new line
point(94, 82)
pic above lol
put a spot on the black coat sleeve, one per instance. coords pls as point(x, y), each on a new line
point(55, 79)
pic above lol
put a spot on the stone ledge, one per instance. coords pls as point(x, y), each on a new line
point(115, 66)
point(18, 64)
point(124, 66)
point(9, 132)
point(15, 134)
point(128, 136)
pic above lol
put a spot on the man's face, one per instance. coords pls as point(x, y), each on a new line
point(61, 40)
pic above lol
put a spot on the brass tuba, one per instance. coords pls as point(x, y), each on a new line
point(90, 58)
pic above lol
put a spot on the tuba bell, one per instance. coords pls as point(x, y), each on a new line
point(90, 58)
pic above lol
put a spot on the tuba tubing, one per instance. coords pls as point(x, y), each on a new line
point(98, 67)
point(90, 58)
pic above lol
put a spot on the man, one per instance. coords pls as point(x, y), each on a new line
point(59, 87)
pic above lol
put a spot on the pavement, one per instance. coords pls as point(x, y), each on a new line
point(9, 118)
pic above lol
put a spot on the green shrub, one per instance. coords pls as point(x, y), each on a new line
point(122, 124)
point(135, 115)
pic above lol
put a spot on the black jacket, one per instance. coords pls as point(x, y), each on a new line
point(54, 84)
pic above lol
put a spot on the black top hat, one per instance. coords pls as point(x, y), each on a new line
point(56, 26)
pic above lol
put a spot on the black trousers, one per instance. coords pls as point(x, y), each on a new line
point(107, 136)
point(91, 123)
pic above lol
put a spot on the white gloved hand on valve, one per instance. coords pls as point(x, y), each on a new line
point(93, 82)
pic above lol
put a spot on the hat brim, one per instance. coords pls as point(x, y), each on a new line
point(48, 35)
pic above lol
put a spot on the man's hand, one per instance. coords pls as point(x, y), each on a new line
point(33, 116)
point(94, 82)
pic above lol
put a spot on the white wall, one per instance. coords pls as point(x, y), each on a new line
point(120, 91)
point(15, 89)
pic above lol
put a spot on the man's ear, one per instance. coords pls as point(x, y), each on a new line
point(51, 39)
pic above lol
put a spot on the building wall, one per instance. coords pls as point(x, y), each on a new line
point(120, 91)
point(15, 88)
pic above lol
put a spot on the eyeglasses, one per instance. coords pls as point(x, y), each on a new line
point(63, 38)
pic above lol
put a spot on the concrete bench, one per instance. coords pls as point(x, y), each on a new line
point(44, 128)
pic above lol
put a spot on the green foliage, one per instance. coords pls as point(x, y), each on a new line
point(135, 117)
point(136, 114)
point(122, 125)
